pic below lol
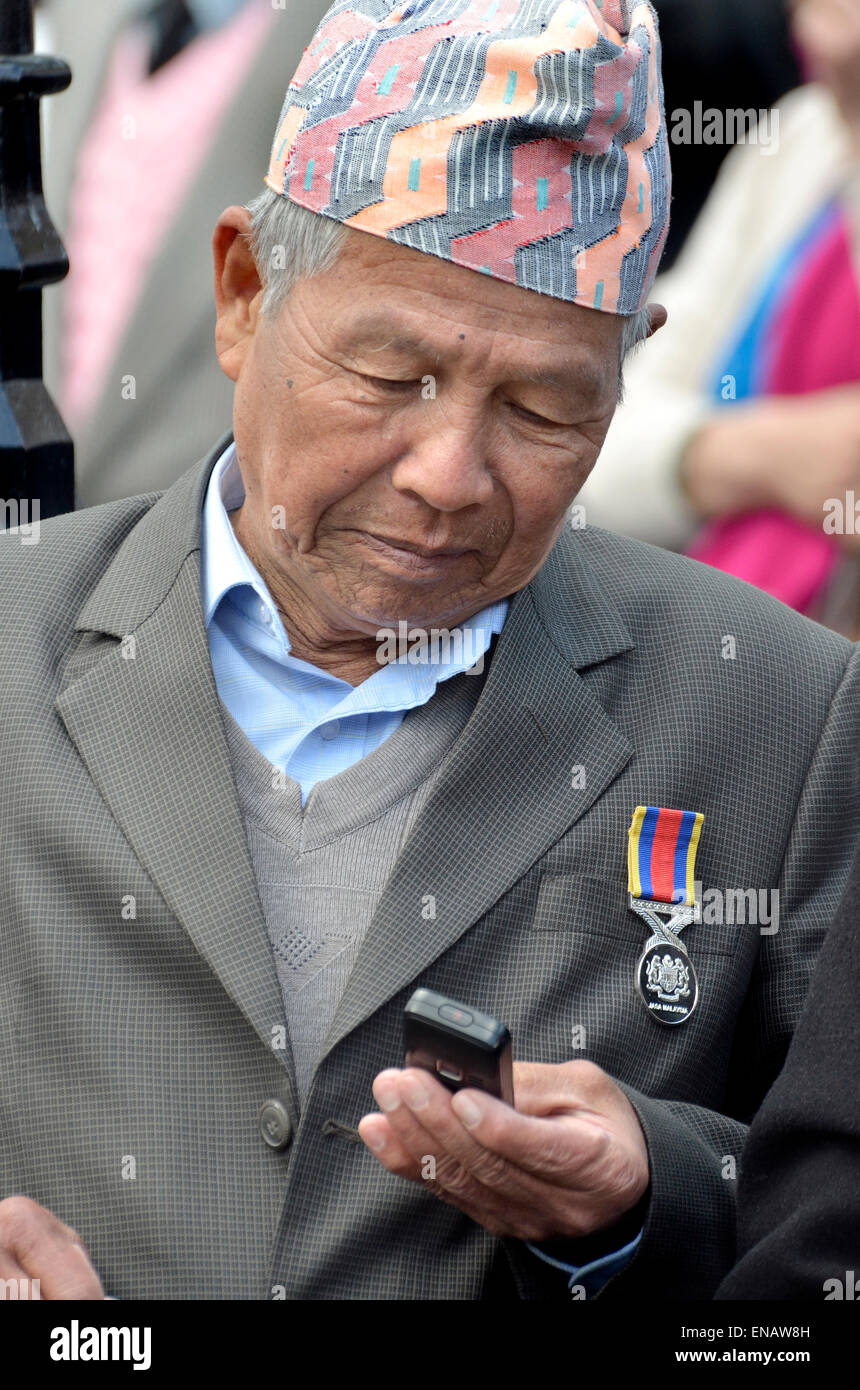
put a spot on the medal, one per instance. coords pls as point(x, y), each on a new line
point(661, 860)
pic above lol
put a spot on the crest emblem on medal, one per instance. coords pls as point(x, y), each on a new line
point(661, 860)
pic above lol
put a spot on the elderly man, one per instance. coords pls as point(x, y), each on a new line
point(239, 830)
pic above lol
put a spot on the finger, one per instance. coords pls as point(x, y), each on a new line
point(426, 1125)
point(377, 1134)
point(15, 1282)
point(536, 1088)
point(64, 1270)
point(562, 1150)
point(47, 1250)
point(544, 1089)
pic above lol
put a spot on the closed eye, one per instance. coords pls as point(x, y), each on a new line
point(539, 419)
point(391, 383)
point(385, 383)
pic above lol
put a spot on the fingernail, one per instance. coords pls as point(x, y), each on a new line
point(466, 1110)
point(375, 1141)
point(386, 1095)
point(415, 1092)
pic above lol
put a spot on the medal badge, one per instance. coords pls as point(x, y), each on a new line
point(661, 861)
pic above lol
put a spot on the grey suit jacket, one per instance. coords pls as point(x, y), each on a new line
point(182, 398)
point(138, 995)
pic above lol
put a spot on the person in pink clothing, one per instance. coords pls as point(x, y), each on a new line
point(143, 148)
point(157, 132)
point(799, 353)
point(739, 438)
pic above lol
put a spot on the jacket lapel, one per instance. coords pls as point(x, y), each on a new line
point(148, 727)
point(506, 794)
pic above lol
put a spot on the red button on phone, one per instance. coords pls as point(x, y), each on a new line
point(455, 1015)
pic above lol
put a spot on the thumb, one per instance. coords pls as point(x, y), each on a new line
point(542, 1088)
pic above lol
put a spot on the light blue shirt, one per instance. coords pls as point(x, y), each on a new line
point(306, 721)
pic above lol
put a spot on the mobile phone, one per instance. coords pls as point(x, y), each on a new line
point(459, 1044)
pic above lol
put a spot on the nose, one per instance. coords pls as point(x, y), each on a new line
point(446, 467)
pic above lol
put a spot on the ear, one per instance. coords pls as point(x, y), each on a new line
point(659, 315)
point(238, 290)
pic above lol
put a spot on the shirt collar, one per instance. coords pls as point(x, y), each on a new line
point(225, 565)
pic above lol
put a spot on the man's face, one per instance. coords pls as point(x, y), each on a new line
point(399, 401)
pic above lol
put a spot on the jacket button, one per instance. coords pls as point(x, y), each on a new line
point(274, 1123)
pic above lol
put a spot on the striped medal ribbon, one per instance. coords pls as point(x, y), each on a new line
point(661, 862)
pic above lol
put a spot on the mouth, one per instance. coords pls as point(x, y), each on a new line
point(413, 557)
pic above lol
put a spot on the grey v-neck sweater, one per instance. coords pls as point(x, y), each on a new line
point(321, 871)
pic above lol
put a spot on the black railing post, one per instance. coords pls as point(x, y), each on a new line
point(36, 453)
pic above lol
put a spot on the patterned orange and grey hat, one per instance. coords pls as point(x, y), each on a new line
point(522, 138)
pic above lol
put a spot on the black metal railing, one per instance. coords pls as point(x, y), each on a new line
point(36, 453)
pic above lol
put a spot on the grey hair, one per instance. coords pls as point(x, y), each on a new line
point(637, 327)
point(290, 244)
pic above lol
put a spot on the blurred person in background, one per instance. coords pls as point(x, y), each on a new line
point(136, 174)
point(745, 414)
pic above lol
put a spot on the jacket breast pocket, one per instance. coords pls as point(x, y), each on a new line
point(587, 905)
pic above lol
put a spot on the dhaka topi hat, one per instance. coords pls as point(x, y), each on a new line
point(525, 139)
